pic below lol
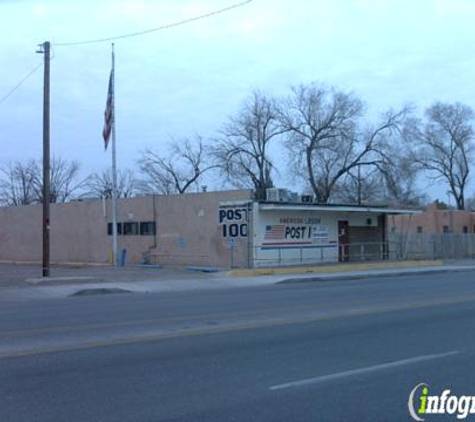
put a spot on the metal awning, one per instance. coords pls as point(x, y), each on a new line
point(333, 208)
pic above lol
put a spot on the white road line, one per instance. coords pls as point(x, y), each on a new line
point(361, 371)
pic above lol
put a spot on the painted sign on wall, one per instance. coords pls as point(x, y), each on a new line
point(233, 221)
point(292, 231)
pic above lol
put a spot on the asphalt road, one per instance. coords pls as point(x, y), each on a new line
point(333, 351)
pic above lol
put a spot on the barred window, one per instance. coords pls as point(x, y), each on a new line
point(131, 229)
point(109, 228)
point(147, 228)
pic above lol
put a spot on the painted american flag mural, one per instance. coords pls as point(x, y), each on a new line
point(274, 232)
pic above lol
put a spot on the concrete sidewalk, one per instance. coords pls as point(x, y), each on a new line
point(17, 284)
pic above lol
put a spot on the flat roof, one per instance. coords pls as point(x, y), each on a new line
point(286, 206)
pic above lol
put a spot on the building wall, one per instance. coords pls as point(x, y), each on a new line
point(20, 233)
point(433, 220)
point(130, 210)
point(190, 230)
point(78, 231)
point(219, 229)
point(367, 242)
point(187, 231)
point(307, 237)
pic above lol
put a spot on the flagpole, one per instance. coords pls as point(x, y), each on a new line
point(114, 171)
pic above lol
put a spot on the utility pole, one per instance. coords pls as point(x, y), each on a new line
point(46, 47)
point(359, 184)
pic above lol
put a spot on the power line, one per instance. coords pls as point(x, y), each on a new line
point(19, 84)
point(160, 28)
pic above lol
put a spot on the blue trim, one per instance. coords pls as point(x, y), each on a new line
point(298, 247)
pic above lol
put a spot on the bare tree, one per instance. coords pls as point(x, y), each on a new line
point(327, 139)
point(22, 184)
point(359, 186)
point(392, 180)
point(176, 172)
point(64, 180)
point(399, 174)
point(100, 184)
point(242, 152)
point(470, 203)
point(18, 183)
point(443, 146)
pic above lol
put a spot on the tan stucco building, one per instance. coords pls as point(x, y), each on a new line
point(218, 229)
point(434, 220)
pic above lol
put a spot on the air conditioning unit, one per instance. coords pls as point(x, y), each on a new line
point(280, 195)
point(307, 199)
point(272, 195)
point(293, 197)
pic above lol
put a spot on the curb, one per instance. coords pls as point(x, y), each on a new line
point(99, 291)
point(57, 263)
point(77, 279)
point(339, 268)
point(350, 277)
point(203, 269)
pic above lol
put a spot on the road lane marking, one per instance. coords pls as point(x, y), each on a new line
point(122, 324)
point(234, 314)
point(198, 331)
point(363, 371)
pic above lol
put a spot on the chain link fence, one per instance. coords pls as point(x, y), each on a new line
point(433, 246)
point(321, 254)
point(399, 247)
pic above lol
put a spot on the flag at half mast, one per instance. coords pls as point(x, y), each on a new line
point(108, 114)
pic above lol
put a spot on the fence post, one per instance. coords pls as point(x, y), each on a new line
point(280, 255)
point(301, 255)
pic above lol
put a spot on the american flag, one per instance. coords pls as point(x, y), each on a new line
point(275, 232)
point(108, 114)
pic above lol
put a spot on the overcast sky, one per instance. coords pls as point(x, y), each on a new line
point(189, 79)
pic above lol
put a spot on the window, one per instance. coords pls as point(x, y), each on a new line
point(109, 228)
point(446, 229)
point(419, 229)
point(465, 229)
point(147, 228)
point(131, 229)
point(393, 229)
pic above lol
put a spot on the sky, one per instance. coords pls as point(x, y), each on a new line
point(189, 79)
